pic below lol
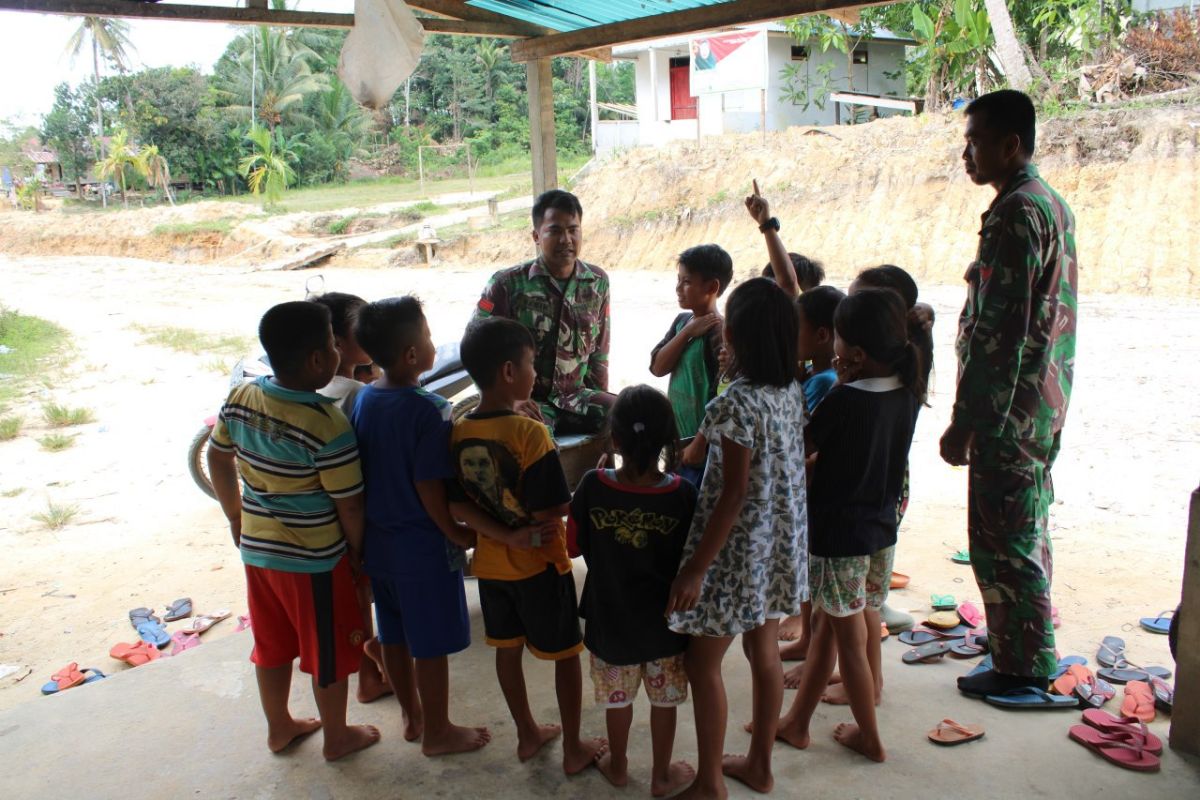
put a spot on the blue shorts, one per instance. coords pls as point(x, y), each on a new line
point(428, 613)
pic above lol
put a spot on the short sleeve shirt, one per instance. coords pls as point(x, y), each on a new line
point(295, 454)
point(694, 380)
point(508, 466)
point(817, 386)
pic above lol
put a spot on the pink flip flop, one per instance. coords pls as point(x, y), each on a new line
point(1121, 749)
point(970, 614)
point(181, 641)
point(205, 621)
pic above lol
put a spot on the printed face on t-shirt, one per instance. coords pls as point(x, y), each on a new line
point(478, 469)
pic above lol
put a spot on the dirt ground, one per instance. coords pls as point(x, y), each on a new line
point(145, 535)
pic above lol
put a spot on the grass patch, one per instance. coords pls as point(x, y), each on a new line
point(339, 226)
point(62, 417)
point(10, 428)
point(56, 516)
point(218, 365)
point(27, 347)
point(188, 340)
point(221, 226)
point(56, 442)
point(12, 492)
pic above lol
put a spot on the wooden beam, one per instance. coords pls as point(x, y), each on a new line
point(465, 27)
point(457, 9)
point(675, 23)
point(190, 13)
point(1185, 722)
point(539, 84)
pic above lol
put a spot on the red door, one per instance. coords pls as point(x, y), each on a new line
point(683, 105)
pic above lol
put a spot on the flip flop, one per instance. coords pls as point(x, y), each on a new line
point(1076, 675)
point(1139, 701)
point(899, 580)
point(1112, 725)
point(135, 655)
point(1160, 624)
point(975, 644)
point(180, 609)
point(1164, 694)
point(205, 621)
point(1055, 619)
point(1119, 750)
point(942, 602)
point(96, 675)
point(182, 641)
point(1027, 698)
point(930, 651)
point(1096, 694)
point(149, 627)
point(1131, 673)
point(922, 635)
point(961, 557)
point(883, 631)
point(65, 678)
point(244, 623)
point(970, 614)
point(983, 666)
point(949, 733)
point(1111, 652)
point(943, 620)
point(1065, 663)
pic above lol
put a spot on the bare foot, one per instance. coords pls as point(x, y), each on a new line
point(848, 734)
point(679, 774)
point(374, 651)
point(355, 738)
point(456, 740)
point(834, 678)
point(836, 695)
point(527, 749)
point(372, 680)
point(617, 776)
point(278, 741)
point(414, 726)
point(791, 629)
point(793, 735)
point(739, 768)
point(586, 754)
point(698, 792)
point(791, 678)
point(794, 651)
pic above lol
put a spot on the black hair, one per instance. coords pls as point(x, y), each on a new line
point(711, 263)
point(1008, 112)
point(489, 344)
point(642, 425)
point(291, 332)
point(818, 304)
point(763, 327)
point(808, 271)
point(388, 327)
point(889, 276)
point(556, 199)
point(877, 321)
point(343, 308)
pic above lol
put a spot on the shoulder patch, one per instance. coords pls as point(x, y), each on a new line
point(486, 306)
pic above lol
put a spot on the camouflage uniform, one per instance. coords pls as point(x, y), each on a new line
point(570, 327)
point(1016, 357)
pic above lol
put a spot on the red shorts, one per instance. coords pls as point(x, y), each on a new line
point(311, 615)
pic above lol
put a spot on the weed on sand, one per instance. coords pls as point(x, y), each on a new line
point(57, 516)
point(189, 340)
point(29, 347)
point(63, 417)
point(10, 428)
point(56, 442)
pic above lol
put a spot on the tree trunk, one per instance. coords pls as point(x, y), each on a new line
point(1007, 46)
point(99, 113)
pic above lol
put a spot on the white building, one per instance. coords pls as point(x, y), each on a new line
point(666, 109)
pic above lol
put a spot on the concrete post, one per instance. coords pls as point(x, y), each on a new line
point(540, 84)
point(1185, 720)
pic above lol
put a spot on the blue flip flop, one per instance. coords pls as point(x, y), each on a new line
point(96, 675)
point(961, 557)
point(1065, 663)
point(1132, 673)
point(149, 627)
point(982, 666)
point(1160, 624)
point(1030, 698)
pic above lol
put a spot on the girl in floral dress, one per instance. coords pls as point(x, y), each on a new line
point(745, 563)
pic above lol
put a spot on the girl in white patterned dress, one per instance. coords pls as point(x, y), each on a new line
point(745, 564)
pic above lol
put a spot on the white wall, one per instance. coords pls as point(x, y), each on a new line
point(742, 111)
point(614, 134)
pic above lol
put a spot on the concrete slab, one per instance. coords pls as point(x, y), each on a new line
point(191, 726)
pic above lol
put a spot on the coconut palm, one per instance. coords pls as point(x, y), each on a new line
point(268, 170)
point(276, 70)
point(109, 37)
point(156, 169)
point(120, 162)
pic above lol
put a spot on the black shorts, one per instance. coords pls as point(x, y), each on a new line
point(539, 612)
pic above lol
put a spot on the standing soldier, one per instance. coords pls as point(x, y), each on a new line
point(1016, 357)
point(563, 301)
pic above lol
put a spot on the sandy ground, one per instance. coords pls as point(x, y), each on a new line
point(145, 535)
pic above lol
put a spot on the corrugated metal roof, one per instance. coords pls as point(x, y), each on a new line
point(570, 15)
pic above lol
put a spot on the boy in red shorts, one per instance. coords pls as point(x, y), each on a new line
point(298, 523)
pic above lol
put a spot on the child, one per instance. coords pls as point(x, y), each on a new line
point(507, 465)
point(809, 273)
point(745, 562)
point(631, 524)
point(816, 308)
point(298, 523)
point(414, 552)
point(688, 353)
point(343, 309)
point(861, 434)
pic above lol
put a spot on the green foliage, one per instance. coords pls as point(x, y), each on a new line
point(121, 163)
point(268, 170)
point(29, 347)
point(10, 428)
point(57, 516)
point(188, 340)
point(60, 416)
point(56, 442)
point(221, 226)
point(67, 128)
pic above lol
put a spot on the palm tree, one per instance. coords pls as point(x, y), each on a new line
point(268, 170)
point(276, 70)
point(340, 121)
point(156, 169)
point(120, 160)
point(489, 57)
point(1008, 48)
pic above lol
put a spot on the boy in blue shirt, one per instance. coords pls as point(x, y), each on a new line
point(413, 548)
point(816, 341)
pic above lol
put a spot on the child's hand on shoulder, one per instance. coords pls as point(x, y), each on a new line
point(700, 325)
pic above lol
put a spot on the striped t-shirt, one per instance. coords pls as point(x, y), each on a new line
point(296, 453)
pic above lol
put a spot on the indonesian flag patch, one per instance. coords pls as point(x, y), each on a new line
point(486, 306)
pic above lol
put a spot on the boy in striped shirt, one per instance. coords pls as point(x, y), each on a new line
point(298, 522)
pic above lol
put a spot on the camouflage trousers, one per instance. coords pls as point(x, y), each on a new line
point(567, 423)
point(1008, 511)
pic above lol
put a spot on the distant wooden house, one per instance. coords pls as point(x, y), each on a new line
point(46, 165)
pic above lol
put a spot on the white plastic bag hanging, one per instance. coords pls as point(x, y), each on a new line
point(382, 50)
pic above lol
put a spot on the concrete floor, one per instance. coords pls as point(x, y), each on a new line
point(191, 727)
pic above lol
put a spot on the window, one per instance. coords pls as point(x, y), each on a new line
point(860, 55)
point(680, 61)
point(799, 52)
